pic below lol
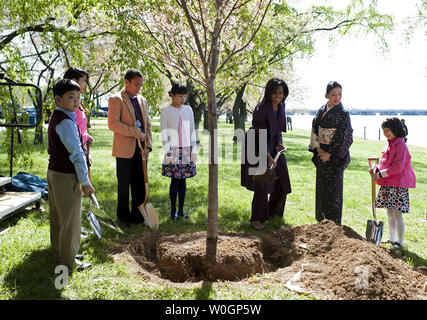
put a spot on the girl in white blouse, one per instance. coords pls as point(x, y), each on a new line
point(179, 143)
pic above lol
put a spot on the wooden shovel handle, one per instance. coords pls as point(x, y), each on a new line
point(144, 163)
point(371, 171)
point(144, 170)
point(373, 199)
point(370, 163)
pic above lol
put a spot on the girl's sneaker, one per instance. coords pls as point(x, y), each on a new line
point(183, 214)
point(388, 242)
point(397, 245)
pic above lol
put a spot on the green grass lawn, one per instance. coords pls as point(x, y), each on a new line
point(27, 271)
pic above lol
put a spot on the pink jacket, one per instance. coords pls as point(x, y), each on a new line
point(81, 121)
point(395, 165)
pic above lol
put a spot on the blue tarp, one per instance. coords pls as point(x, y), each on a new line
point(28, 182)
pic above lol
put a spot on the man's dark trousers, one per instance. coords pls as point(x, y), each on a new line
point(129, 173)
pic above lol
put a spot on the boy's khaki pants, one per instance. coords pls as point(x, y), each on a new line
point(65, 204)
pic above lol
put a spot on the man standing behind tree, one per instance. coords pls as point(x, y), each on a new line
point(128, 119)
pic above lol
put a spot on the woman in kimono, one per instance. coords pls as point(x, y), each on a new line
point(268, 123)
point(331, 138)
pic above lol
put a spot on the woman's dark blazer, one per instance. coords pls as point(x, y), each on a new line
point(264, 118)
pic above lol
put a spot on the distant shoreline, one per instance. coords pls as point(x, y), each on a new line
point(369, 126)
point(370, 112)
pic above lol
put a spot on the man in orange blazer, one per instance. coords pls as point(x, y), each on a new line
point(128, 119)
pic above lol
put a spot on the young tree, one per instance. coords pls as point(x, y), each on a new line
point(199, 39)
point(220, 45)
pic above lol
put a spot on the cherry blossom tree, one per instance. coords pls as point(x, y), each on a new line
point(200, 39)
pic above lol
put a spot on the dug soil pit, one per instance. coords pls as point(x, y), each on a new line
point(325, 260)
point(183, 257)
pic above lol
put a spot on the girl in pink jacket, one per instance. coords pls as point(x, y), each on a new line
point(394, 175)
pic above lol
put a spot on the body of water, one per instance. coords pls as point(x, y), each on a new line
point(370, 127)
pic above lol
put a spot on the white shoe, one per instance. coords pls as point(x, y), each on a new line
point(397, 245)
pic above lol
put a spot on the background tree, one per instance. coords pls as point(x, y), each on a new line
point(40, 39)
point(287, 34)
point(36, 39)
point(417, 22)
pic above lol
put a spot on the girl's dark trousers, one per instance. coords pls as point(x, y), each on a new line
point(177, 189)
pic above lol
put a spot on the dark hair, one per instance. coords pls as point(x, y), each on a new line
point(76, 73)
point(395, 126)
point(178, 88)
point(272, 86)
point(332, 85)
point(64, 85)
point(132, 73)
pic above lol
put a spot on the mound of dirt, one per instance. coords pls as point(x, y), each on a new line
point(324, 259)
point(335, 262)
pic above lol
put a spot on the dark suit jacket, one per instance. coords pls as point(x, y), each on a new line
point(264, 118)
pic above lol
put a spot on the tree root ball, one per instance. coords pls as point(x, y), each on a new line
point(183, 257)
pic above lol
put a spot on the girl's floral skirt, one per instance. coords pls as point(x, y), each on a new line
point(182, 166)
point(393, 198)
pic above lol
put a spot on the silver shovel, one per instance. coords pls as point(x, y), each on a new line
point(96, 216)
point(374, 228)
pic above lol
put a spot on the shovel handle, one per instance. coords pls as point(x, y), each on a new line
point(144, 163)
point(277, 156)
point(371, 168)
point(370, 163)
point(94, 201)
point(371, 171)
point(144, 170)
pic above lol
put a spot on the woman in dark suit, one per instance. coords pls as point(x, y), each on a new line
point(264, 139)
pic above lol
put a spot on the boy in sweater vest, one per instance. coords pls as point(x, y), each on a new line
point(67, 175)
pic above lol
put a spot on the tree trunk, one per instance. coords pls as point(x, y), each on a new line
point(212, 230)
point(38, 134)
point(239, 110)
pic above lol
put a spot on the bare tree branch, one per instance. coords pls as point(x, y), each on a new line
point(183, 5)
point(249, 41)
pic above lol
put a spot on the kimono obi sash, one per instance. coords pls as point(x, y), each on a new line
point(326, 135)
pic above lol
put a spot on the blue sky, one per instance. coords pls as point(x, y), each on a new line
point(371, 79)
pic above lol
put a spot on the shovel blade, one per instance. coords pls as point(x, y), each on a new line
point(150, 215)
point(105, 219)
point(94, 224)
point(374, 231)
point(110, 224)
